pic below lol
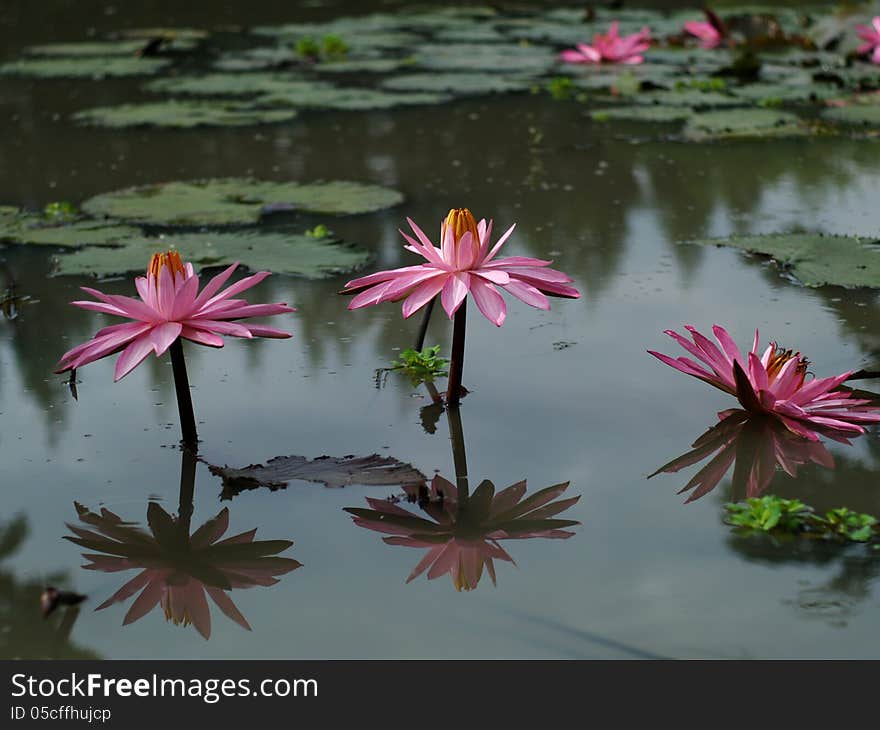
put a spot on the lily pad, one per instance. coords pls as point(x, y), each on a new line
point(89, 49)
point(814, 259)
point(226, 201)
point(237, 84)
point(33, 229)
point(855, 114)
point(276, 251)
point(348, 99)
point(182, 114)
point(743, 124)
point(470, 57)
point(785, 92)
point(365, 65)
point(94, 67)
point(459, 84)
point(176, 34)
point(644, 113)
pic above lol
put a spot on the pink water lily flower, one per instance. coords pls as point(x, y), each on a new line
point(708, 34)
point(774, 383)
point(464, 264)
point(611, 48)
point(871, 35)
point(169, 306)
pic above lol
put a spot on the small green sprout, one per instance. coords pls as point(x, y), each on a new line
point(319, 231)
point(770, 102)
point(307, 47)
point(561, 88)
point(421, 366)
point(333, 46)
point(60, 212)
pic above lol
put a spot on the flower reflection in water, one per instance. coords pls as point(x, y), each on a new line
point(179, 569)
point(754, 446)
point(462, 530)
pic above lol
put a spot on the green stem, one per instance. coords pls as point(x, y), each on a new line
point(456, 364)
point(184, 398)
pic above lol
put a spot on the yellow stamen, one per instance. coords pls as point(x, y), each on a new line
point(171, 259)
point(780, 357)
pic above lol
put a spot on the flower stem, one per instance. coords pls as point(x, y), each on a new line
point(459, 456)
point(453, 391)
point(184, 398)
point(423, 328)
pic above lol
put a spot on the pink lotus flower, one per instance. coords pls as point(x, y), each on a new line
point(709, 35)
point(754, 446)
point(464, 264)
point(462, 541)
point(179, 571)
point(871, 35)
point(775, 384)
point(170, 306)
point(611, 48)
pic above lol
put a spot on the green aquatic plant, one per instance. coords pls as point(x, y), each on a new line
point(421, 366)
point(307, 48)
point(561, 88)
point(791, 516)
point(61, 212)
point(319, 231)
point(332, 46)
point(770, 513)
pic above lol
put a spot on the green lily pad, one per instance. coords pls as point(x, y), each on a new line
point(227, 201)
point(471, 57)
point(459, 84)
point(94, 67)
point(183, 114)
point(785, 92)
point(175, 34)
point(743, 124)
point(348, 98)
point(89, 49)
point(855, 114)
point(237, 84)
point(275, 251)
point(255, 59)
point(644, 113)
point(365, 65)
point(814, 259)
point(31, 228)
point(687, 97)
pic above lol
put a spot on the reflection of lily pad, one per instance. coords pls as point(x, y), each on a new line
point(236, 200)
point(185, 114)
point(456, 83)
point(273, 251)
point(814, 259)
point(94, 67)
point(744, 123)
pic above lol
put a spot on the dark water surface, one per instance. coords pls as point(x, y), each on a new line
point(568, 394)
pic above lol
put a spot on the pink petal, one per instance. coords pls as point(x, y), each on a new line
point(164, 335)
point(488, 301)
point(423, 294)
point(454, 291)
point(132, 356)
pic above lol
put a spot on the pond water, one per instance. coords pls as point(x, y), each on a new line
point(568, 395)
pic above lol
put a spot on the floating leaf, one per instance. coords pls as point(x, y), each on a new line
point(281, 252)
point(814, 259)
point(240, 84)
point(855, 114)
point(89, 49)
point(646, 113)
point(95, 67)
point(183, 114)
point(349, 99)
point(469, 57)
point(330, 471)
point(743, 123)
point(459, 84)
point(225, 201)
point(364, 65)
point(33, 229)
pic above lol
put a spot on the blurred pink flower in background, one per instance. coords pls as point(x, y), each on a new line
point(708, 34)
point(871, 35)
point(611, 48)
